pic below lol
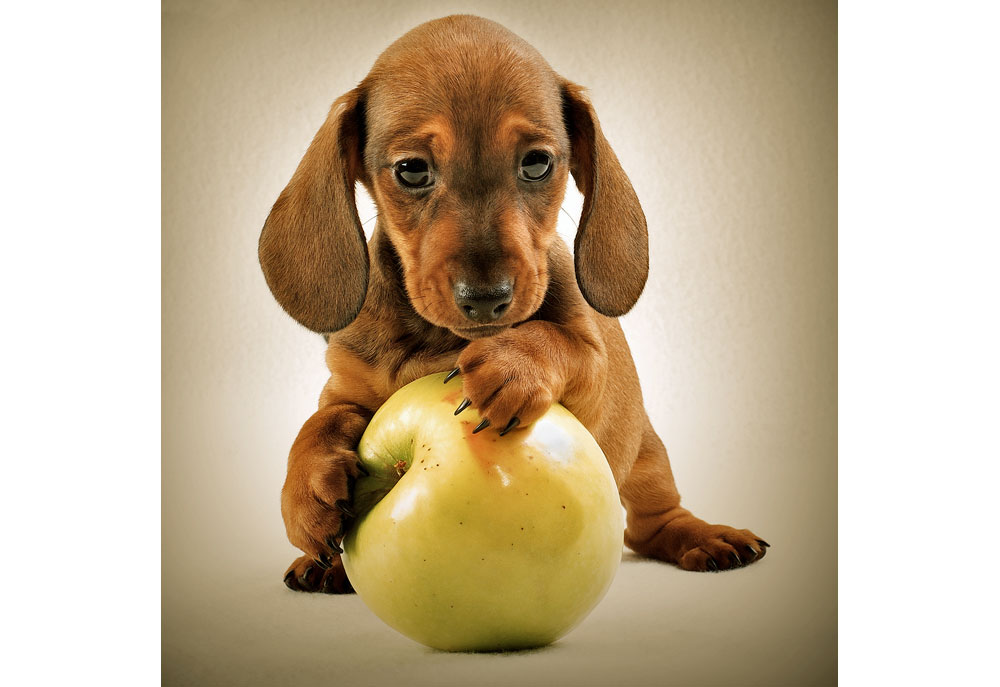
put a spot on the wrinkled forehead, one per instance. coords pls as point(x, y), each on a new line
point(464, 95)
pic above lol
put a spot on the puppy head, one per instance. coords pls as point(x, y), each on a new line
point(465, 138)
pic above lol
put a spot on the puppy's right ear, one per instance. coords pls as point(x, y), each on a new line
point(312, 248)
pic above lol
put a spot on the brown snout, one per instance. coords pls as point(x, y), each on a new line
point(483, 303)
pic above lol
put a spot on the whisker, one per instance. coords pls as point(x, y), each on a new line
point(571, 219)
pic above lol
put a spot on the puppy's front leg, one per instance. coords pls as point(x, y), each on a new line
point(314, 501)
point(512, 378)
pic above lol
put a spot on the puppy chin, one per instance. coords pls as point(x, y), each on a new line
point(480, 332)
point(469, 333)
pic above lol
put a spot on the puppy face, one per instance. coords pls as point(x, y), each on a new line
point(468, 164)
point(465, 137)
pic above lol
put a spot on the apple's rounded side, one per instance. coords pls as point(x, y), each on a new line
point(486, 542)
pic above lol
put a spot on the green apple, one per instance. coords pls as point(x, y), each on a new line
point(477, 542)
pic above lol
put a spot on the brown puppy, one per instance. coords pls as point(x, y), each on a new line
point(465, 137)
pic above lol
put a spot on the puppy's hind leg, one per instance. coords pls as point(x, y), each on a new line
point(658, 527)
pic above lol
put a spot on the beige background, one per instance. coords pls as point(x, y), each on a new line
point(724, 116)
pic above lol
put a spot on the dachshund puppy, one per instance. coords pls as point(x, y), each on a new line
point(465, 138)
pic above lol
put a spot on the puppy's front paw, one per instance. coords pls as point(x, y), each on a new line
point(507, 384)
point(315, 503)
point(305, 575)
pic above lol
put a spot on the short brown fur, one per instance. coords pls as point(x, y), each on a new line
point(472, 99)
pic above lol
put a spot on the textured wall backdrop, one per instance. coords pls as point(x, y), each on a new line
point(724, 115)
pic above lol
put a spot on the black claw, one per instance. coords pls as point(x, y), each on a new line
point(712, 565)
point(462, 406)
point(363, 470)
point(451, 375)
point(481, 426)
point(514, 422)
point(334, 546)
point(324, 561)
point(342, 505)
point(735, 558)
point(288, 579)
point(306, 578)
point(753, 552)
point(763, 543)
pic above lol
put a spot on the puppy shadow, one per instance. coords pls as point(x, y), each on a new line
point(629, 556)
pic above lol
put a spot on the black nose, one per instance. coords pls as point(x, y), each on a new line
point(483, 304)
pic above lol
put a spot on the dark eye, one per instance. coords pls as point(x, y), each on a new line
point(413, 173)
point(535, 166)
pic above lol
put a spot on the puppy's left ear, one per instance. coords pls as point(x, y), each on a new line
point(312, 248)
point(611, 251)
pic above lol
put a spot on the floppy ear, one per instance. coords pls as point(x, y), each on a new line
point(611, 251)
point(312, 248)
